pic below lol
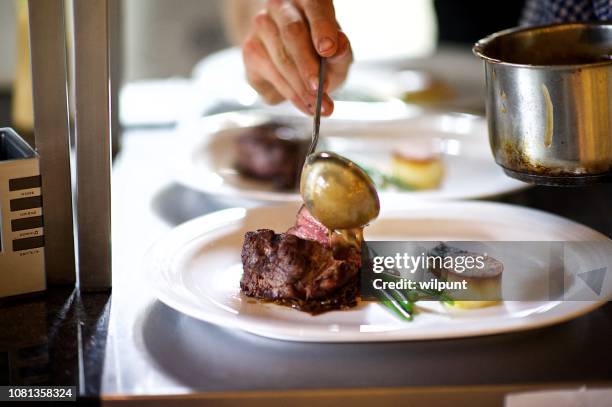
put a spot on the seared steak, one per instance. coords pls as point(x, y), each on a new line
point(303, 273)
point(271, 152)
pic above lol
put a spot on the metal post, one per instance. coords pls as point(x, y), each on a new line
point(115, 47)
point(93, 143)
point(48, 50)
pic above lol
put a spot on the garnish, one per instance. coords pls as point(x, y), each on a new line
point(384, 180)
point(402, 302)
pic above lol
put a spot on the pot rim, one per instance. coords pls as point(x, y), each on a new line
point(479, 47)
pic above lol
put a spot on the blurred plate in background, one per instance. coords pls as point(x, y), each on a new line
point(449, 80)
point(207, 153)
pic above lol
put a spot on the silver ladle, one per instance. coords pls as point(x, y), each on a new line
point(335, 190)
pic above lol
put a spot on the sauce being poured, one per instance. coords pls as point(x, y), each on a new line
point(341, 196)
point(337, 192)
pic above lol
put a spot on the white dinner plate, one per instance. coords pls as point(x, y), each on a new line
point(206, 156)
point(196, 270)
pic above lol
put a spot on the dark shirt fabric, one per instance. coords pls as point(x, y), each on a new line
point(539, 12)
point(467, 21)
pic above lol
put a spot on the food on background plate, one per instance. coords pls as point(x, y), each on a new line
point(437, 91)
point(275, 152)
point(272, 152)
point(419, 166)
point(416, 165)
point(307, 267)
point(482, 280)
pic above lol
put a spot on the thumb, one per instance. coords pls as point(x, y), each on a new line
point(321, 17)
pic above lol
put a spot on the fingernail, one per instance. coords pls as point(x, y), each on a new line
point(325, 44)
point(314, 83)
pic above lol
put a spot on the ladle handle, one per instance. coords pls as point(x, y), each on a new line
point(317, 112)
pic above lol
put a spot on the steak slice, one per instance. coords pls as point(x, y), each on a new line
point(271, 152)
point(304, 274)
point(308, 228)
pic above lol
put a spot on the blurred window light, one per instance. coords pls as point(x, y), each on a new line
point(389, 29)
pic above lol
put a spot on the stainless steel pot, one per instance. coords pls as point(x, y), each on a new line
point(548, 102)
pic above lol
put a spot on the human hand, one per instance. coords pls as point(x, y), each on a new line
point(281, 53)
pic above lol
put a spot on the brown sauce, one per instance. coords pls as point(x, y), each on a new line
point(345, 239)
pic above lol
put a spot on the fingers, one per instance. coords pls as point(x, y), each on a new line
point(282, 51)
point(344, 53)
point(327, 106)
point(265, 78)
point(340, 63)
point(267, 91)
point(270, 36)
point(286, 35)
point(296, 40)
point(323, 26)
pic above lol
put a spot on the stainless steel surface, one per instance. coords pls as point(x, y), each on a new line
point(49, 82)
point(337, 192)
point(548, 102)
point(317, 113)
point(93, 143)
